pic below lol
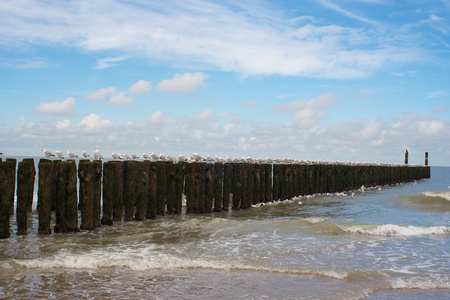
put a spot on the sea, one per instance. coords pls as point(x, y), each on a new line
point(385, 242)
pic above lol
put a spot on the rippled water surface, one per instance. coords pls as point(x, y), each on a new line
point(379, 243)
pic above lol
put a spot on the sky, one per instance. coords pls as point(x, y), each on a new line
point(334, 80)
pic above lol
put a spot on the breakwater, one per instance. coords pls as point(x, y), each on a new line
point(99, 192)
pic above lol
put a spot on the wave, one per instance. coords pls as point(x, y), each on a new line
point(441, 195)
point(428, 201)
point(394, 230)
point(149, 258)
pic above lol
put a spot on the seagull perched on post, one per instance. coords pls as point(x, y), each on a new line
point(115, 155)
point(70, 154)
point(145, 156)
point(85, 154)
point(60, 155)
point(47, 153)
point(97, 155)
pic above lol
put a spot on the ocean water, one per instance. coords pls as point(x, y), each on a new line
point(390, 242)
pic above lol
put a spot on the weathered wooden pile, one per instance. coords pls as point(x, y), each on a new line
point(113, 191)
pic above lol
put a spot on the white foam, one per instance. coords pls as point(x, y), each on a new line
point(394, 230)
point(443, 195)
point(151, 258)
point(439, 282)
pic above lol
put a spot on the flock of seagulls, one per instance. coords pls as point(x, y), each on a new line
point(59, 154)
point(198, 158)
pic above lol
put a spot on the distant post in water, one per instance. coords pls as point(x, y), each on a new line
point(406, 157)
point(426, 158)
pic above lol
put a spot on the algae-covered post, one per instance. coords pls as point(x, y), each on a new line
point(25, 186)
point(66, 197)
point(7, 185)
point(426, 158)
point(112, 192)
point(218, 183)
point(90, 175)
point(190, 188)
point(227, 183)
point(406, 157)
point(45, 189)
point(142, 180)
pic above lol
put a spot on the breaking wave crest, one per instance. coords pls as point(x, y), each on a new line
point(394, 230)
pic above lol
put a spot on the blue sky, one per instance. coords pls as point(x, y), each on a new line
point(330, 80)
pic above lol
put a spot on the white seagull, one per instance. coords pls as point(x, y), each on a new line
point(70, 154)
point(47, 153)
point(115, 155)
point(145, 155)
point(133, 156)
point(97, 155)
point(85, 154)
point(60, 155)
point(154, 156)
point(1, 153)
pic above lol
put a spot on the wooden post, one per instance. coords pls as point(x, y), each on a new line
point(237, 186)
point(406, 157)
point(153, 181)
point(130, 189)
point(90, 175)
point(45, 188)
point(161, 188)
point(218, 182)
point(268, 183)
point(113, 172)
point(66, 192)
point(142, 182)
point(25, 187)
point(171, 188)
point(426, 158)
point(179, 182)
point(209, 187)
point(227, 184)
point(7, 185)
point(190, 188)
point(200, 188)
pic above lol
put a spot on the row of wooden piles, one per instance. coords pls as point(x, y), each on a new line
point(113, 191)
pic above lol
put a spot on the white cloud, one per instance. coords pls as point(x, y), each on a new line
point(56, 108)
point(182, 83)
point(63, 124)
point(206, 115)
point(100, 94)
point(140, 87)
point(307, 112)
point(109, 62)
point(121, 99)
point(93, 123)
point(157, 118)
point(252, 40)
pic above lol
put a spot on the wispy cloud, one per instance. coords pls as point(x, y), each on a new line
point(347, 13)
point(105, 63)
point(207, 35)
point(436, 94)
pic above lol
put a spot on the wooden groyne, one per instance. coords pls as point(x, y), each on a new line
point(114, 191)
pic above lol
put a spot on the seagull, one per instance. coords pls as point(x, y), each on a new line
point(154, 156)
point(85, 154)
point(47, 153)
point(125, 156)
point(70, 154)
point(162, 157)
point(97, 155)
point(133, 156)
point(115, 155)
point(60, 155)
point(145, 155)
point(181, 158)
point(1, 153)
